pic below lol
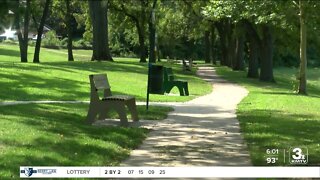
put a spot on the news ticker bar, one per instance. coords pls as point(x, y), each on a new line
point(168, 172)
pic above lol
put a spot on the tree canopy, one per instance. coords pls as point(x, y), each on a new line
point(247, 35)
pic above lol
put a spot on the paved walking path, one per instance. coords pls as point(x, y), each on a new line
point(201, 132)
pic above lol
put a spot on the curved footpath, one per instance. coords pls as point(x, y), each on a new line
point(201, 132)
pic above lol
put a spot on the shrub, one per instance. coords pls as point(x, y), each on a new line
point(10, 41)
point(31, 43)
point(51, 40)
point(81, 44)
point(64, 42)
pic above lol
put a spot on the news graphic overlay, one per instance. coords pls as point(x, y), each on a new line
point(170, 172)
point(28, 171)
point(298, 156)
point(274, 156)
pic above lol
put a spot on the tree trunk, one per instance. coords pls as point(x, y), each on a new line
point(23, 38)
point(254, 46)
point(152, 34)
point(40, 32)
point(230, 44)
point(223, 43)
point(239, 60)
point(69, 29)
point(207, 47)
point(253, 68)
point(266, 73)
point(212, 38)
point(302, 89)
point(142, 47)
point(98, 13)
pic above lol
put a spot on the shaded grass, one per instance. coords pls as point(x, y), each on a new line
point(56, 79)
point(273, 116)
point(57, 135)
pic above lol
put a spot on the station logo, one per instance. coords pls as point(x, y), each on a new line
point(298, 155)
point(28, 171)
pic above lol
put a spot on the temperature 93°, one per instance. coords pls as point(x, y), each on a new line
point(271, 160)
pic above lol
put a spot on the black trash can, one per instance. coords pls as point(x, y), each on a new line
point(156, 79)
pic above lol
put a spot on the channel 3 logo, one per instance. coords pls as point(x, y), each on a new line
point(298, 156)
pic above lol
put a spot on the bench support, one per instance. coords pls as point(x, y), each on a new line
point(101, 106)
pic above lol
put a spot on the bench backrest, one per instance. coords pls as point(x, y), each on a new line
point(168, 74)
point(99, 82)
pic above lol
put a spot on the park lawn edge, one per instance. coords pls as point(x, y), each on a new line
point(272, 116)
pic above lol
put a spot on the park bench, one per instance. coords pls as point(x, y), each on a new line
point(102, 105)
point(170, 82)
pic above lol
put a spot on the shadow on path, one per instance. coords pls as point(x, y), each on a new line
point(201, 132)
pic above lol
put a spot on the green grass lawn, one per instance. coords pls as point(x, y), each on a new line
point(56, 79)
point(273, 116)
point(57, 135)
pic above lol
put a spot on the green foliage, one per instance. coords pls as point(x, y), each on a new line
point(57, 20)
point(64, 42)
point(32, 43)
point(82, 44)
point(50, 40)
point(180, 29)
point(4, 15)
point(10, 41)
point(255, 11)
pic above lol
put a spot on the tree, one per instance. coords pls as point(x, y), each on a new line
point(4, 15)
point(259, 21)
point(238, 64)
point(139, 12)
point(225, 16)
point(253, 65)
point(307, 13)
point(152, 34)
point(212, 41)
point(303, 52)
point(69, 29)
point(99, 19)
point(207, 45)
point(22, 32)
point(203, 23)
point(40, 31)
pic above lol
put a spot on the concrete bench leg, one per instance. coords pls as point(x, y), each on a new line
point(103, 113)
point(92, 113)
point(133, 109)
point(121, 110)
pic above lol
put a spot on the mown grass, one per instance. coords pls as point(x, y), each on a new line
point(57, 135)
point(273, 116)
point(56, 79)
